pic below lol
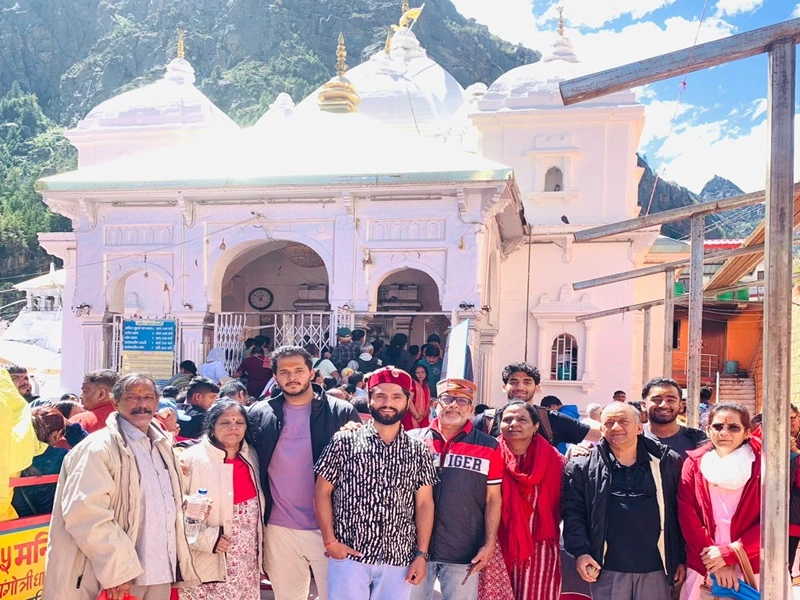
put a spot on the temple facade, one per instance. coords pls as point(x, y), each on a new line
point(391, 199)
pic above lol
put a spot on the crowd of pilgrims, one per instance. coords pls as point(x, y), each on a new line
point(364, 468)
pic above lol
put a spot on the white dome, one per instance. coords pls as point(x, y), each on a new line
point(172, 102)
point(282, 108)
point(536, 85)
point(404, 88)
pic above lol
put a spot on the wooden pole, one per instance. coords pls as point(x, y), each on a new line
point(669, 216)
point(676, 264)
point(777, 320)
point(669, 318)
point(646, 348)
point(677, 63)
point(695, 322)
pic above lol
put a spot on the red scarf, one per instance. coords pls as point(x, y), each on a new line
point(537, 475)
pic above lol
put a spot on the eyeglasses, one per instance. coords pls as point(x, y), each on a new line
point(732, 427)
point(460, 400)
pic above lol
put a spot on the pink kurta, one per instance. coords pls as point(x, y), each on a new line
point(723, 505)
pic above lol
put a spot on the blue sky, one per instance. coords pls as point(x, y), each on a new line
point(720, 128)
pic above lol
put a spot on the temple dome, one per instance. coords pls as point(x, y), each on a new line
point(404, 88)
point(168, 110)
point(172, 101)
point(535, 85)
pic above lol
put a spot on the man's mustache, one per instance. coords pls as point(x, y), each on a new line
point(141, 410)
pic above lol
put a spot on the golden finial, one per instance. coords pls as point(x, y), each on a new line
point(404, 7)
point(388, 47)
point(341, 55)
point(339, 95)
point(560, 29)
point(180, 43)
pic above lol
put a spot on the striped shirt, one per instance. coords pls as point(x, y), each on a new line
point(374, 485)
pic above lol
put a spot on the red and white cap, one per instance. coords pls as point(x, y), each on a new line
point(390, 374)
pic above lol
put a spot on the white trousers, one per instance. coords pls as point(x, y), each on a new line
point(288, 554)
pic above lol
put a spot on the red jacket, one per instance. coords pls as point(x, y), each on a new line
point(697, 518)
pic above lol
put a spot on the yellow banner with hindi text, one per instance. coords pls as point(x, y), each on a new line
point(22, 553)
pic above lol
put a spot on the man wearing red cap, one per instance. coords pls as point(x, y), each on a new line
point(374, 499)
point(467, 497)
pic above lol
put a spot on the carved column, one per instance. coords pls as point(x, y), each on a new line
point(97, 346)
point(402, 325)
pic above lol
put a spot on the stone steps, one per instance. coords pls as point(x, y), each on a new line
point(741, 390)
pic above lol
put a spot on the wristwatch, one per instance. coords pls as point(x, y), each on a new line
point(424, 555)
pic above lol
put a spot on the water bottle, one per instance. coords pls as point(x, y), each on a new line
point(195, 514)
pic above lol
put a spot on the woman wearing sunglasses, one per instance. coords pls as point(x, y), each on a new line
point(719, 501)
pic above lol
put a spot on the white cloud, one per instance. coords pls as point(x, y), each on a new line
point(796, 12)
point(608, 48)
point(658, 115)
point(735, 7)
point(697, 152)
point(514, 21)
point(596, 13)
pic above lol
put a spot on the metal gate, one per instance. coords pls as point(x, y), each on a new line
point(231, 329)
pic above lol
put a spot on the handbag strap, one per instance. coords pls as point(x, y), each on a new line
point(744, 562)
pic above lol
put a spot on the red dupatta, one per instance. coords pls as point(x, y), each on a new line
point(531, 482)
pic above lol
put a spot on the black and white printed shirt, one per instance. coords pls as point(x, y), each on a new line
point(373, 492)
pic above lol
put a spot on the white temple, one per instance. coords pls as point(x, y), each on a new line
point(390, 199)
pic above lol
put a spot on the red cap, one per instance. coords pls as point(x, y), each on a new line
point(390, 374)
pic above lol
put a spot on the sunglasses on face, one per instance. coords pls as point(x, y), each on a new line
point(733, 427)
point(460, 400)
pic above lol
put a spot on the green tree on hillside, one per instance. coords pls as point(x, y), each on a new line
point(31, 145)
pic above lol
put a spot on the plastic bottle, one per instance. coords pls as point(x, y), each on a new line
point(195, 514)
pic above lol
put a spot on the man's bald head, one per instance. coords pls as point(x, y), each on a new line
point(623, 407)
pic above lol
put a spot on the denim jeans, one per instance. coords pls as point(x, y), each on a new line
point(450, 577)
point(353, 580)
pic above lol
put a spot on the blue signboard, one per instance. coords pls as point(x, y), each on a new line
point(148, 336)
point(149, 347)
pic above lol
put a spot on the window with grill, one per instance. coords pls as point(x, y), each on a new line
point(564, 358)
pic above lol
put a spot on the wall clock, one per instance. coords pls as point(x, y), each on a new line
point(260, 298)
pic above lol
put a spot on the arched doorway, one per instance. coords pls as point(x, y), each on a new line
point(407, 301)
point(276, 289)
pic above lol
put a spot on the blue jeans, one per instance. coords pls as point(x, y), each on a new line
point(450, 577)
point(353, 580)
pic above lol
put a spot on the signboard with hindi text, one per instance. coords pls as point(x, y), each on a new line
point(148, 346)
point(22, 553)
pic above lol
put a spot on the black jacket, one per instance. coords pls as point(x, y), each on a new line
point(585, 497)
point(328, 415)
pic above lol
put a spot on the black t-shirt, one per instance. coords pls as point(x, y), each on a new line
point(566, 429)
point(681, 442)
point(633, 522)
point(193, 428)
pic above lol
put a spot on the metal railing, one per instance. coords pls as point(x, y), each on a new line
point(290, 328)
point(709, 364)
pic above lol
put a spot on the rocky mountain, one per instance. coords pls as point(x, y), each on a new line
point(74, 54)
point(738, 223)
point(730, 224)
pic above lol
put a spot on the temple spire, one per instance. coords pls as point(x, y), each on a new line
point(339, 95)
point(560, 29)
point(181, 49)
point(404, 8)
point(341, 56)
